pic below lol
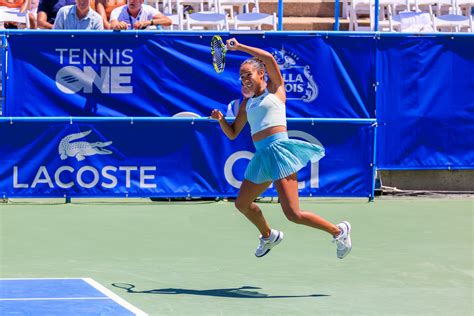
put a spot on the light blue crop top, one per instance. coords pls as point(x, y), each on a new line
point(265, 111)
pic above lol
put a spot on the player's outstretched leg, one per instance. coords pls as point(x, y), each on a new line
point(288, 193)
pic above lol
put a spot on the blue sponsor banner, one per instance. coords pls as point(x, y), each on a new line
point(425, 109)
point(162, 74)
point(89, 157)
point(2, 63)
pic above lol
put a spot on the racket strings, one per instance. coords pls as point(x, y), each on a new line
point(218, 55)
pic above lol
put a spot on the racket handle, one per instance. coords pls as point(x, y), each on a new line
point(231, 43)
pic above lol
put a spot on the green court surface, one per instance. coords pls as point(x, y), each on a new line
point(411, 256)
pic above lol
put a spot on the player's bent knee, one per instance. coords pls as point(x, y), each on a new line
point(242, 206)
point(294, 216)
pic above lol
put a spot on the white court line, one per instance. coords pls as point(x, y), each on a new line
point(110, 295)
point(115, 297)
point(54, 298)
point(8, 279)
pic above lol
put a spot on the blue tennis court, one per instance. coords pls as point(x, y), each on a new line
point(61, 297)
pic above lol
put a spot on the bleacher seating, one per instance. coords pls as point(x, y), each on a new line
point(357, 15)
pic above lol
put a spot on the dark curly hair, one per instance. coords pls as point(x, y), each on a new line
point(256, 62)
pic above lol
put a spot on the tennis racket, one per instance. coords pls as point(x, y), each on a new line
point(125, 286)
point(218, 51)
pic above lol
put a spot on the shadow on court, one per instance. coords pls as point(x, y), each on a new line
point(241, 292)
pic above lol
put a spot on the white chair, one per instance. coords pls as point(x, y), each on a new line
point(415, 22)
point(155, 3)
point(207, 20)
point(254, 21)
point(453, 22)
point(176, 22)
point(181, 7)
point(391, 9)
point(346, 7)
point(387, 10)
point(418, 17)
point(243, 6)
point(357, 8)
point(11, 13)
point(198, 5)
point(173, 10)
point(464, 7)
point(434, 7)
point(170, 7)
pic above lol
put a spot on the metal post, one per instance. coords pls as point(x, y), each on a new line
point(336, 15)
point(280, 15)
point(376, 16)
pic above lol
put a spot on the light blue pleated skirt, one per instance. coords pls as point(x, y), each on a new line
point(277, 157)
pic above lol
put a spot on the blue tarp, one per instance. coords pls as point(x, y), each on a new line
point(420, 88)
point(122, 74)
point(425, 102)
point(168, 158)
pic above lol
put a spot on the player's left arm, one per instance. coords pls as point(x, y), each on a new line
point(276, 83)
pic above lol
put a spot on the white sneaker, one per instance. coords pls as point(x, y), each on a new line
point(343, 241)
point(268, 243)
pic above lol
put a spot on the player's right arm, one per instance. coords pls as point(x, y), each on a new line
point(232, 130)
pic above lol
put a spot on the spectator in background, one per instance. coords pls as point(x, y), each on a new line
point(31, 7)
point(105, 7)
point(47, 11)
point(138, 16)
point(78, 17)
point(13, 11)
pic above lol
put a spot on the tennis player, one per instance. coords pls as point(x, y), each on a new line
point(277, 158)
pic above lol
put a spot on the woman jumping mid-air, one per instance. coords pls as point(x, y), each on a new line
point(277, 158)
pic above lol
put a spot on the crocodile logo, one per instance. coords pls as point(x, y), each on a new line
point(81, 149)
